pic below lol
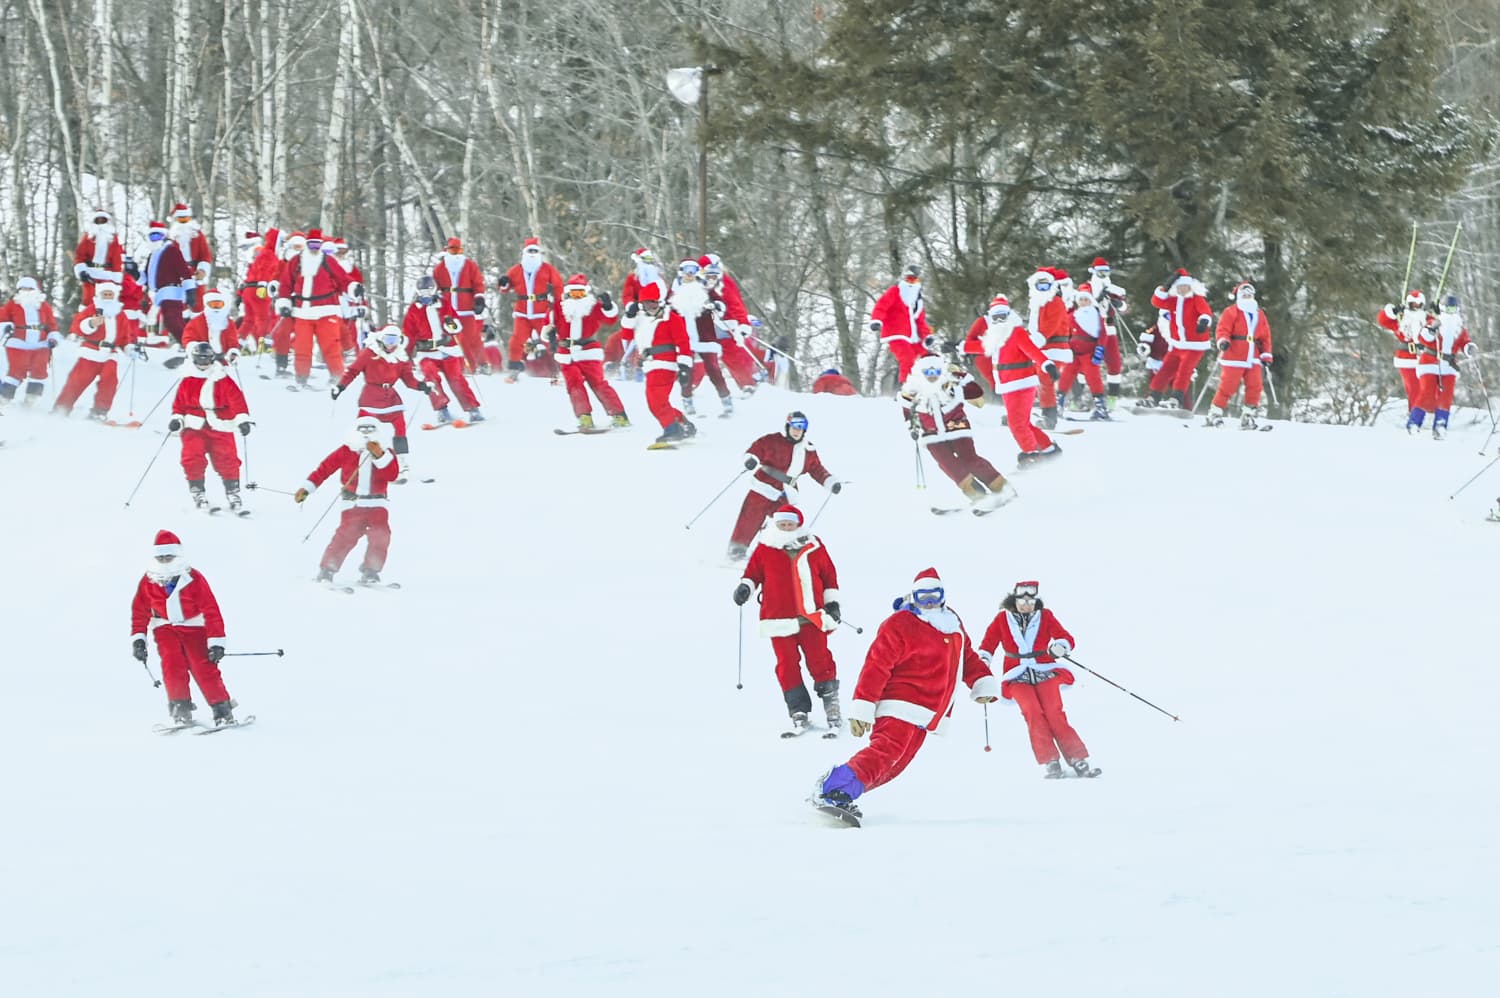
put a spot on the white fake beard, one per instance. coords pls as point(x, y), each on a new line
point(531, 263)
point(690, 299)
point(910, 293)
point(790, 539)
point(29, 299)
point(159, 573)
point(1088, 319)
point(109, 306)
point(311, 260)
point(216, 318)
point(577, 308)
point(647, 273)
point(453, 260)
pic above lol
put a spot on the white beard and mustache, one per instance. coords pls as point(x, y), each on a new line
point(690, 299)
point(577, 308)
point(29, 298)
point(647, 273)
point(311, 260)
point(109, 306)
point(531, 263)
point(1089, 320)
point(161, 574)
point(910, 293)
point(216, 318)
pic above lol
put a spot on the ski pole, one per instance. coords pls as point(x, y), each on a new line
point(705, 509)
point(132, 383)
point(1271, 386)
point(256, 485)
point(279, 652)
point(845, 623)
point(820, 511)
point(739, 668)
point(1479, 373)
point(1448, 262)
point(921, 475)
point(1117, 686)
point(986, 726)
point(170, 389)
point(336, 497)
point(347, 485)
point(1207, 383)
point(1471, 481)
point(1487, 441)
point(138, 484)
point(1411, 254)
point(154, 681)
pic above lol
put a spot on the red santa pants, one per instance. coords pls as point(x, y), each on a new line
point(26, 364)
point(1113, 363)
point(893, 745)
point(370, 522)
point(959, 460)
point(753, 513)
point(434, 369)
point(184, 652)
point(708, 363)
point(1437, 392)
point(1187, 366)
point(325, 332)
point(907, 354)
point(1082, 363)
point(1046, 722)
point(520, 335)
point(578, 376)
point(1412, 384)
point(812, 643)
point(659, 385)
point(201, 446)
point(172, 320)
point(348, 335)
point(83, 374)
point(1161, 381)
point(281, 336)
point(739, 362)
point(257, 311)
point(1047, 388)
point(1229, 383)
point(1018, 418)
point(471, 338)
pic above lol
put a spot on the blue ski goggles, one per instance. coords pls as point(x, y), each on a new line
point(1044, 285)
point(932, 371)
point(687, 268)
point(797, 423)
point(928, 599)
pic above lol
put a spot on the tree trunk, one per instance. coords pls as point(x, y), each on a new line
point(333, 147)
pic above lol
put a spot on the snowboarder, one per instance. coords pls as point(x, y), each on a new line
point(666, 352)
point(384, 364)
point(776, 460)
point(366, 467)
point(1087, 344)
point(1438, 347)
point(1406, 325)
point(29, 331)
point(461, 283)
point(433, 327)
point(175, 604)
point(933, 399)
point(907, 687)
point(799, 604)
point(311, 286)
point(691, 300)
point(899, 318)
point(576, 321)
point(105, 331)
point(1243, 340)
point(1017, 359)
point(207, 409)
point(1185, 302)
point(1030, 641)
point(536, 285)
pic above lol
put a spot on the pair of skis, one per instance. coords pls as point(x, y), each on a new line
point(348, 590)
point(203, 728)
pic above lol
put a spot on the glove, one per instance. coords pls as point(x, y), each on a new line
point(52, 342)
point(875, 325)
point(85, 276)
point(751, 464)
point(605, 300)
point(245, 428)
point(1221, 346)
point(835, 486)
point(1059, 648)
point(138, 649)
point(857, 728)
point(685, 380)
point(336, 391)
point(1050, 370)
point(741, 594)
point(215, 652)
point(1265, 358)
point(374, 448)
point(1098, 355)
point(916, 431)
point(360, 311)
point(718, 307)
point(284, 309)
point(985, 699)
point(832, 609)
point(1203, 323)
point(504, 283)
point(300, 495)
point(479, 304)
point(632, 309)
point(1470, 350)
point(428, 388)
point(1143, 349)
point(452, 326)
point(174, 424)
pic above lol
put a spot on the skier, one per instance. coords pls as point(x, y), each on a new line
point(29, 331)
point(176, 605)
point(1438, 347)
point(576, 320)
point(691, 301)
point(1051, 330)
point(213, 326)
point(980, 360)
point(366, 468)
point(1087, 344)
point(536, 285)
point(777, 460)
point(207, 409)
point(170, 282)
point(98, 257)
point(311, 285)
point(1407, 325)
point(666, 352)
point(256, 290)
point(907, 687)
point(193, 244)
point(105, 331)
point(1016, 361)
point(1243, 340)
point(1185, 304)
point(1030, 639)
point(899, 318)
point(384, 364)
point(731, 323)
point(1110, 298)
point(933, 400)
point(799, 604)
point(352, 307)
point(461, 282)
point(433, 327)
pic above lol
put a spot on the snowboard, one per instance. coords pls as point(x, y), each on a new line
point(837, 813)
point(172, 729)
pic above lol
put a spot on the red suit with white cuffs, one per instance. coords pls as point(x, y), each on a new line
point(181, 613)
point(432, 330)
point(780, 461)
point(211, 407)
point(797, 579)
point(1029, 676)
point(364, 480)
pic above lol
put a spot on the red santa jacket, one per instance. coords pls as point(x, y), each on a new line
point(833, 383)
point(382, 374)
point(1023, 645)
point(728, 291)
point(34, 331)
point(101, 260)
point(460, 285)
point(1405, 333)
point(897, 321)
point(782, 462)
point(578, 338)
point(795, 584)
point(423, 326)
point(1017, 356)
point(1189, 317)
point(196, 331)
point(1054, 324)
point(186, 601)
point(363, 478)
point(635, 291)
point(312, 285)
point(939, 408)
point(1235, 338)
point(1439, 344)
point(101, 335)
point(974, 338)
point(913, 668)
point(264, 270)
point(195, 250)
point(664, 345)
point(534, 298)
point(210, 401)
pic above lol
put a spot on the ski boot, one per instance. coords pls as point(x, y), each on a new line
point(828, 690)
point(1215, 417)
point(619, 421)
point(800, 723)
point(224, 713)
point(1171, 402)
point(672, 433)
point(688, 407)
point(200, 497)
point(98, 415)
point(1151, 401)
point(324, 575)
point(586, 421)
point(368, 577)
point(443, 416)
point(181, 711)
point(475, 416)
point(1101, 411)
point(1053, 771)
point(688, 428)
point(1439, 424)
point(283, 370)
point(1049, 417)
point(833, 790)
point(728, 407)
point(737, 552)
point(1083, 769)
point(302, 384)
point(232, 495)
point(1247, 417)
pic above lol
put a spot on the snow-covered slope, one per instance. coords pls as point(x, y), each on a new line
point(529, 771)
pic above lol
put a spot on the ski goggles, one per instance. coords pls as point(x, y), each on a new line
point(929, 598)
point(932, 371)
point(531, 251)
point(101, 219)
point(163, 559)
point(576, 293)
point(1044, 285)
point(1101, 271)
point(1024, 590)
point(797, 423)
point(368, 429)
point(912, 278)
point(688, 268)
point(390, 340)
point(157, 237)
point(999, 314)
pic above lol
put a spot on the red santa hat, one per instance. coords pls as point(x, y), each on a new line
point(1084, 292)
point(215, 295)
point(999, 301)
point(643, 254)
point(1058, 272)
point(787, 513)
point(181, 212)
point(1027, 587)
point(927, 578)
point(530, 242)
point(335, 244)
point(167, 543)
point(1183, 277)
point(455, 245)
point(157, 227)
point(314, 236)
point(251, 238)
point(1244, 286)
point(1099, 261)
point(705, 261)
point(651, 292)
point(576, 281)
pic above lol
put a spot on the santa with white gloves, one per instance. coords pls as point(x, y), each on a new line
point(208, 408)
point(175, 605)
point(1243, 340)
point(1110, 298)
point(692, 300)
point(28, 328)
point(1407, 325)
point(461, 284)
point(312, 286)
point(777, 461)
point(432, 327)
point(1017, 361)
point(577, 318)
point(1049, 295)
point(661, 339)
point(899, 318)
point(105, 332)
point(1184, 304)
point(99, 256)
point(908, 687)
point(190, 240)
point(364, 467)
point(1439, 345)
point(384, 364)
point(799, 604)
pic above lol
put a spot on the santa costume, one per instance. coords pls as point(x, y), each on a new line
point(933, 404)
point(461, 285)
point(364, 467)
point(577, 319)
point(1406, 325)
point(172, 285)
point(1087, 348)
point(899, 318)
point(776, 461)
point(214, 326)
point(311, 288)
point(666, 351)
point(1110, 298)
point(731, 322)
point(208, 408)
point(692, 301)
point(384, 364)
point(99, 256)
point(29, 331)
point(1017, 360)
point(193, 244)
point(1243, 340)
point(432, 327)
point(105, 333)
point(831, 382)
point(536, 284)
point(1439, 346)
point(1185, 307)
point(1051, 328)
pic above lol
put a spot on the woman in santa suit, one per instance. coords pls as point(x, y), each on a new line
point(1030, 641)
point(907, 688)
point(208, 408)
point(105, 332)
point(799, 605)
point(385, 364)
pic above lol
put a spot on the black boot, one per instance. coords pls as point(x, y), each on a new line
point(200, 497)
point(828, 690)
point(224, 712)
point(181, 710)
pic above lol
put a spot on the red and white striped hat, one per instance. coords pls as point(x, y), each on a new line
point(787, 513)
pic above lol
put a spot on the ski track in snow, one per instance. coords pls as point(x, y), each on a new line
point(529, 772)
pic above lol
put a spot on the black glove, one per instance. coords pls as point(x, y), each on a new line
point(285, 311)
point(751, 464)
point(836, 488)
point(632, 309)
point(336, 391)
point(1050, 370)
point(875, 325)
point(741, 597)
point(606, 301)
point(685, 381)
point(138, 649)
point(832, 609)
point(428, 388)
point(1266, 360)
point(916, 431)
point(174, 424)
point(1221, 346)
point(479, 304)
point(245, 428)
point(215, 652)
point(504, 283)
point(718, 306)
point(86, 277)
point(1203, 321)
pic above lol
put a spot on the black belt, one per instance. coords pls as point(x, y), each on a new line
point(331, 294)
point(386, 384)
point(1238, 339)
point(1015, 367)
point(590, 342)
point(467, 291)
point(780, 476)
point(658, 351)
point(426, 344)
point(253, 284)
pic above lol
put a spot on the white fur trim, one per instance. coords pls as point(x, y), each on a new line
point(861, 710)
point(985, 686)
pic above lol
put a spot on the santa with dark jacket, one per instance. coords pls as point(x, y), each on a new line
point(908, 687)
point(171, 283)
point(799, 604)
point(577, 319)
point(776, 461)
